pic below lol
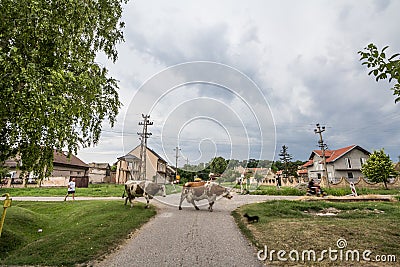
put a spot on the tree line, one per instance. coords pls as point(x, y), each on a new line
point(226, 169)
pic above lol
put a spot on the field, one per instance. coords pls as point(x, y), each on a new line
point(292, 191)
point(94, 190)
point(319, 225)
point(66, 233)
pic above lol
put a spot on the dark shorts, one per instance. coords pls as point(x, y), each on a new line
point(71, 192)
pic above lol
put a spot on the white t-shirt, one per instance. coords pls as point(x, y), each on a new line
point(71, 186)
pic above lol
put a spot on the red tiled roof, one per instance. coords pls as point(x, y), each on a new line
point(62, 158)
point(302, 171)
point(308, 163)
point(332, 155)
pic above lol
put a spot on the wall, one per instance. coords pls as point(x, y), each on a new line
point(343, 183)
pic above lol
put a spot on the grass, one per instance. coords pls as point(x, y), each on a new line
point(94, 190)
point(292, 191)
point(274, 191)
point(71, 232)
point(294, 225)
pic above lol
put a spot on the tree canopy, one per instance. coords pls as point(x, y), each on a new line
point(285, 157)
point(378, 167)
point(54, 95)
point(382, 67)
point(218, 165)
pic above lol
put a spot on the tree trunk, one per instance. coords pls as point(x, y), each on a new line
point(384, 182)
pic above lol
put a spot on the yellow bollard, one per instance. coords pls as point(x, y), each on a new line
point(7, 203)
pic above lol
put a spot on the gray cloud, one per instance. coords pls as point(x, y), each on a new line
point(302, 56)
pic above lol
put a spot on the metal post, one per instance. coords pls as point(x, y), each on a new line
point(7, 203)
point(176, 162)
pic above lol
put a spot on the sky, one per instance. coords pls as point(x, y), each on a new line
point(240, 79)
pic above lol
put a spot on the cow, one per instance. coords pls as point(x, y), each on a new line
point(194, 184)
point(209, 191)
point(145, 189)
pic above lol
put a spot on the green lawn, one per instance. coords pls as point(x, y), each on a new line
point(292, 191)
point(295, 225)
point(66, 233)
point(94, 190)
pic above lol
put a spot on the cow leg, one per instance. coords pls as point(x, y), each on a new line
point(180, 203)
point(147, 201)
point(131, 200)
point(194, 204)
point(210, 206)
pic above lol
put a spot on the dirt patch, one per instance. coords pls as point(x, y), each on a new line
point(331, 211)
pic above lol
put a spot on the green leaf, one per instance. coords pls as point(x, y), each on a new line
point(393, 56)
point(58, 96)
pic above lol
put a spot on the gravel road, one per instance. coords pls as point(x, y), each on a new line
point(188, 237)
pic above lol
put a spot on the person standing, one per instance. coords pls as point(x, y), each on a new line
point(71, 189)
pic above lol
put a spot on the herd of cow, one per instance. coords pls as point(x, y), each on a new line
point(191, 191)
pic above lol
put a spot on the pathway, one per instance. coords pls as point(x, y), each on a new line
point(189, 238)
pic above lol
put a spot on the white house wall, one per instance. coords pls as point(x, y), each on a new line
point(338, 168)
point(152, 165)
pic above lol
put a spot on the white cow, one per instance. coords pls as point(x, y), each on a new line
point(208, 190)
point(145, 189)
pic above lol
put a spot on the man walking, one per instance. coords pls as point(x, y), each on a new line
point(71, 189)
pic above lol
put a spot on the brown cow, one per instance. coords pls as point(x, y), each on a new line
point(209, 191)
point(194, 184)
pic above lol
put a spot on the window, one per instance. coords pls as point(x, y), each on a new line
point(350, 175)
point(319, 165)
point(363, 161)
point(348, 163)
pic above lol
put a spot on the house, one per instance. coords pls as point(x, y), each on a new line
point(128, 166)
point(344, 162)
point(64, 169)
point(302, 173)
point(263, 173)
point(99, 173)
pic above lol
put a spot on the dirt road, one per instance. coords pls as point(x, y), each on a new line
point(189, 238)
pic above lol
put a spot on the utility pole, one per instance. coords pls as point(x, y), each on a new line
point(143, 145)
point(177, 149)
point(319, 130)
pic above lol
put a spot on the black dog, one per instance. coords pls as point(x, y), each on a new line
point(251, 219)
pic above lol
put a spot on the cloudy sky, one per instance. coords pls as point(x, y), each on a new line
point(239, 79)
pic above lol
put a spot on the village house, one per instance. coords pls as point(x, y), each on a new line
point(156, 167)
point(265, 173)
point(99, 173)
point(344, 162)
point(127, 168)
point(64, 168)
